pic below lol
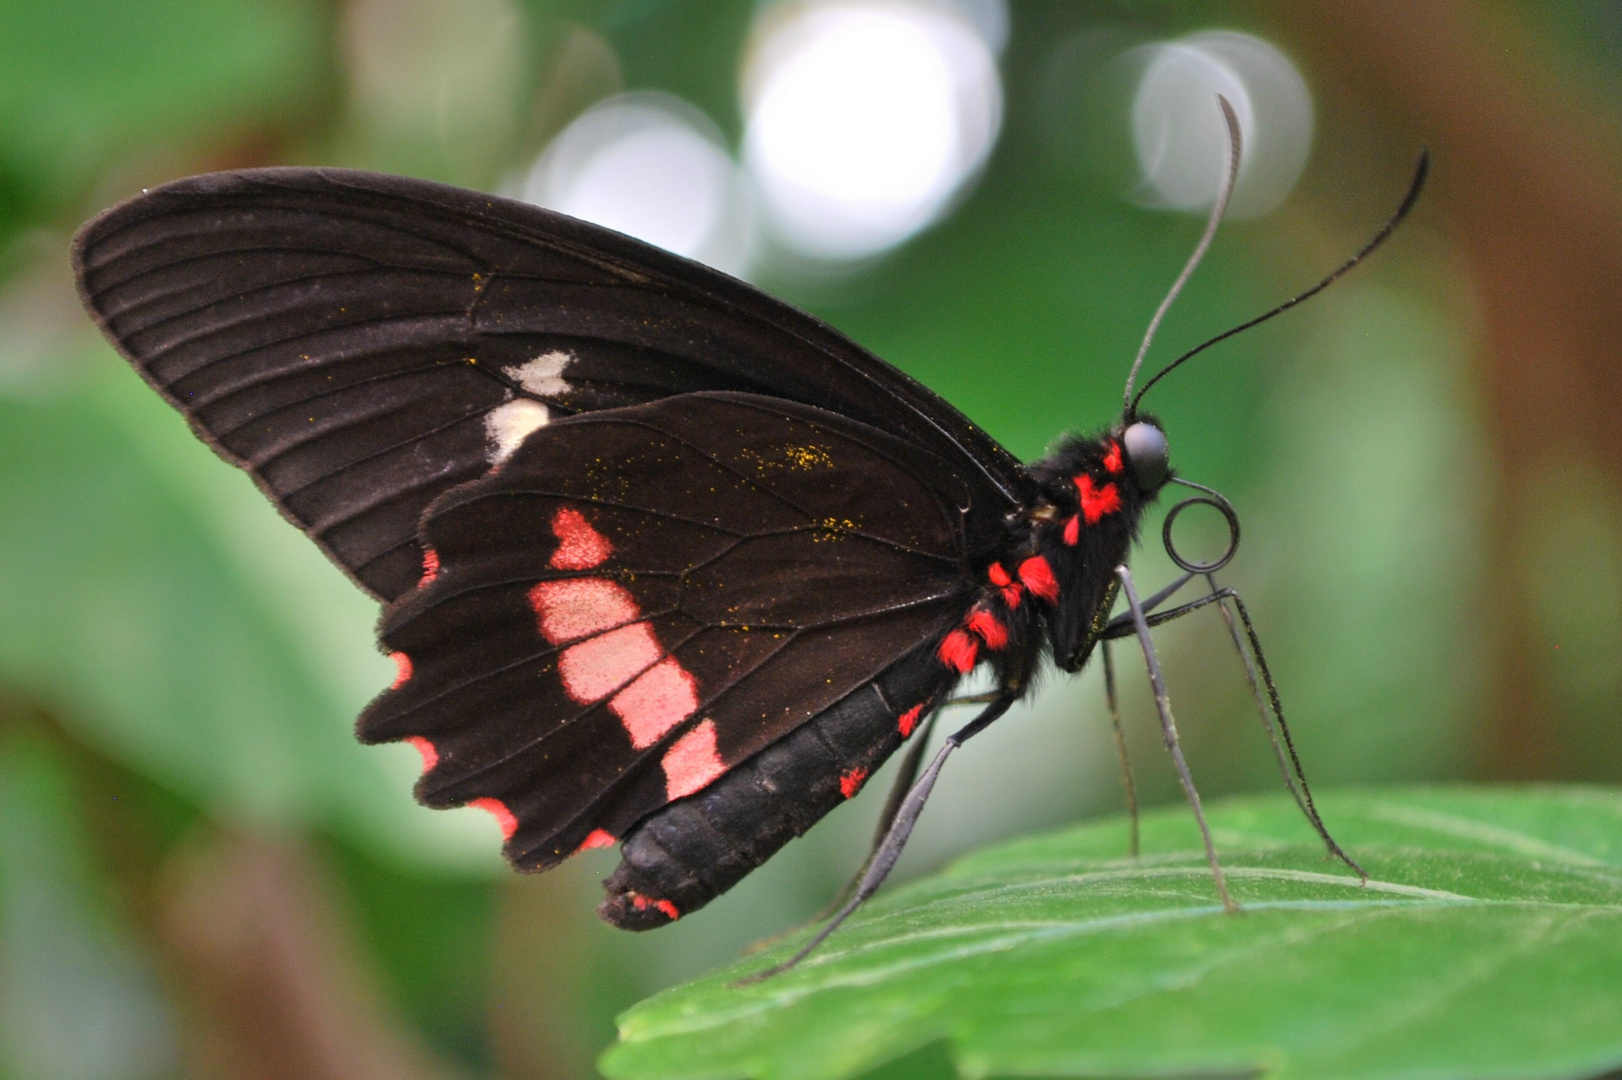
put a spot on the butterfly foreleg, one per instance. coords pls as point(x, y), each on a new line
point(1128, 788)
point(1259, 678)
point(1255, 664)
point(895, 837)
point(905, 777)
point(1168, 726)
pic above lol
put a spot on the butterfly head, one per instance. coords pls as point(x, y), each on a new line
point(1147, 455)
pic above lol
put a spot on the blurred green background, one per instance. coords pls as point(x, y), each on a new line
point(202, 875)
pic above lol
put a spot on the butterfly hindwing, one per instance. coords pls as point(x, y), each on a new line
point(641, 599)
point(361, 343)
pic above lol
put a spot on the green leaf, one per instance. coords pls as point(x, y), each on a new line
point(1487, 943)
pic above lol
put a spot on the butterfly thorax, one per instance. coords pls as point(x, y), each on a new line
point(1087, 518)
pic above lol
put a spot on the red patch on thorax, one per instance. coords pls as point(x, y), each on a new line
point(850, 782)
point(1072, 530)
point(1096, 502)
point(580, 547)
point(987, 627)
point(1009, 587)
point(958, 651)
point(909, 719)
point(1112, 460)
point(1038, 577)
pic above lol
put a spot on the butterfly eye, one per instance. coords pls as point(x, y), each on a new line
point(1147, 453)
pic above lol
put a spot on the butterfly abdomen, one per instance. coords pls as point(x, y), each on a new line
point(683, 856)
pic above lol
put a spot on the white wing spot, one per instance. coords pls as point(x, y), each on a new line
point(509, 425)
point(543, 375)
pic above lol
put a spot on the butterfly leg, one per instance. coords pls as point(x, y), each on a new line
point(1303, 793)
point(1256, 670)
point(896, 835)
point(1168, 725)
point(1128, 788)
point(905, 776)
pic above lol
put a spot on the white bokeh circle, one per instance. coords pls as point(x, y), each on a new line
point(649, 165)
point(1178, 133)
point(864, 120)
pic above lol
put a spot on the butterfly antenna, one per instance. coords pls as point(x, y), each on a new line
point(1421, 171)
point(1218, 208)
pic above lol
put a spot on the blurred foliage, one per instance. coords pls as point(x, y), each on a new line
point(166, 640)
point(1484, 944)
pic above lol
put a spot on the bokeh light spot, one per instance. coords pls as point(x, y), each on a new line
point(651, 166)
point(865, 119)
point(1178, 132)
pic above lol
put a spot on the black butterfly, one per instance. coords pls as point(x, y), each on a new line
point(665, 561)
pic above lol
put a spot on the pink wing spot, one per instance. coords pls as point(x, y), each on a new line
point(850, 782)
point(597, 838)
point(573, 608)
point(601, 665)
point(988, 628)
point(402, 670)
point(909, 720)
point(580, 547)
point(693, 762)
point(498, 810)
point(430, 566)
point(1095, 503)
point(660, 698)
point(1072, 530)
point(1038, 577)
point(430, 756)
point(959, 651)
point(1112, 460)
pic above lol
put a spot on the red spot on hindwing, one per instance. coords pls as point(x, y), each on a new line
point(1038, 577)
point(659, 699)
point(402, 670)
point(692, 762)
point(909, 719)
point(988, 628)
point(1096, 502)
point(598, 666)
point(1072, 530)
point(597, 838)
point(850, 781)
point(616, 652)
point(959, 651)
point(1112, 460)
point(574, 608)
point(498, 810)
point(430, 566)
point(580, 547)
point(430, 755)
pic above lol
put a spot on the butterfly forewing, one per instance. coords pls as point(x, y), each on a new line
point(362, 344)
point(639, 600)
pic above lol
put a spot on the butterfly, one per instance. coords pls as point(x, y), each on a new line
point(664, 562)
